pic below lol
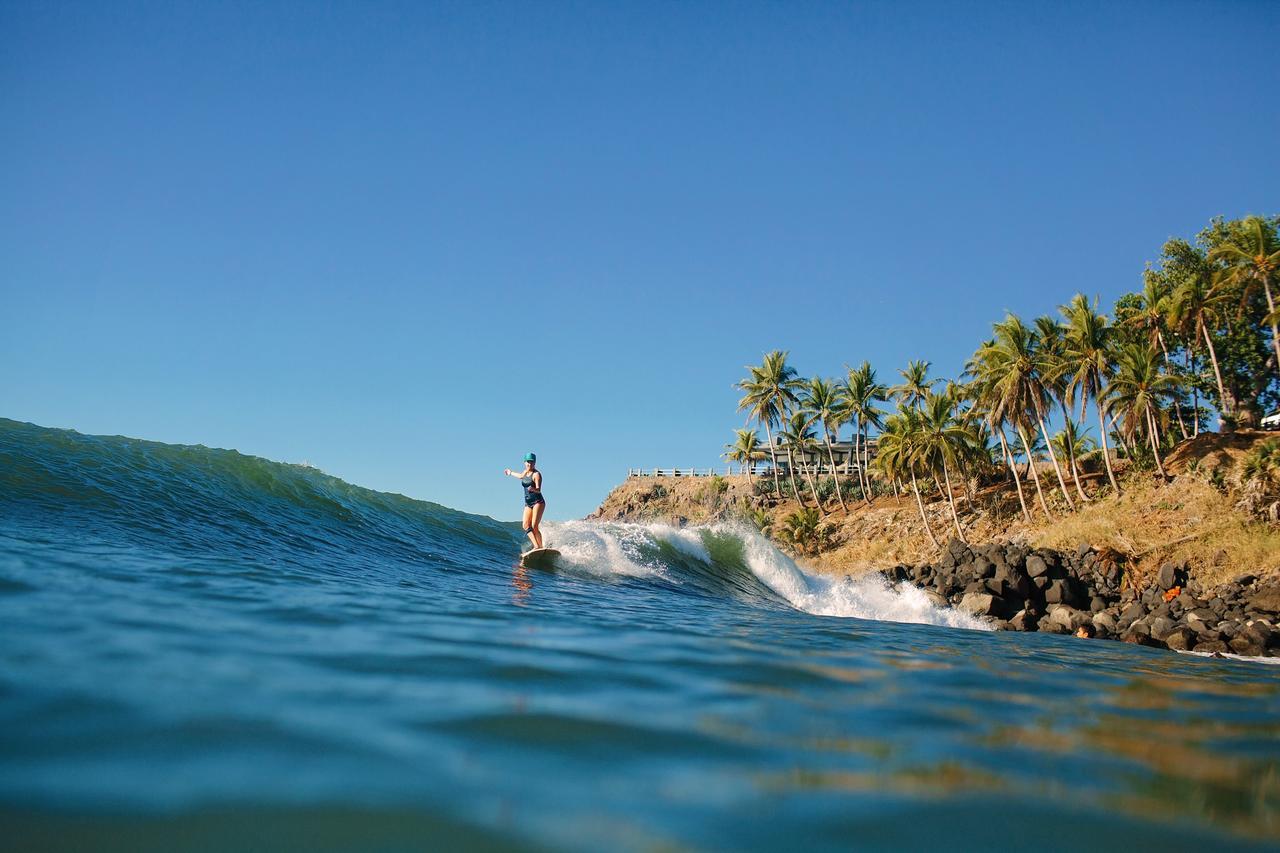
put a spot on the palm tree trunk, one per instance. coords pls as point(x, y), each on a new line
point(1177, 407)
point(1053, 457)
point(1071, 456)
point(773, 457)
point(835, 476)
point(920, 505)
point(1035, 475)
point(951, 499)
point(1106, 451)
point(1013, 469)
point(1195, 392)
point(1155, 446)
point(863, 479)
point(791, 474)
point(1217, 374)
point(1275, 335)
point(804, 467)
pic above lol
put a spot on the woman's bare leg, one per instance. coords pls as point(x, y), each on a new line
point(530, 525)
point(538, 509)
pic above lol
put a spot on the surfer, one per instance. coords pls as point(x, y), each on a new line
point(534, 504)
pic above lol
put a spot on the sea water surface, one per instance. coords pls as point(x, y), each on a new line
point(205, 650)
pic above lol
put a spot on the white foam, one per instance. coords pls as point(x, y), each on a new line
point(615, 548)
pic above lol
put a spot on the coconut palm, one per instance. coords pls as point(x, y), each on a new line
point(769, 389)
point(1054, 371)
point(940, 444)
point(915, 384)
point(1150, 320)
point(986, 402)
point(1135, 393)
point(1020, 391)
point(1198, 304)
point(800, 444)
point(1087, 355)
point(862, 391)
point(823, 401)
point(1251, 260)
point(1072, 442)
point(745, 449)
point(897, 460)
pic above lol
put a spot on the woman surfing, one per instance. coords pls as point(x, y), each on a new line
point(534, 504)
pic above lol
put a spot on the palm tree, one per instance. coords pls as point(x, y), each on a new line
point(1196, 305)
point(745, 449)
point(825, 404)
point(941, 443)
point(986, 401)
point(1073, 443)
point(1087, 353)
point(915, 384)
point(1054, 369)
point(799, 439)
point(862, 391)
point(896, 457)
point(1151, 319)
point(1135, 393)
point(1020, 391)
point(1253, 260)
point(769, 390)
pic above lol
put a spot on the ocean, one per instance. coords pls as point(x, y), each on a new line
point(202, 650)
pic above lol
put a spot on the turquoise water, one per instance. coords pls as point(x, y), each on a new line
point(203, 650)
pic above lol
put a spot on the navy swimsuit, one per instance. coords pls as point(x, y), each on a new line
point(531, 498)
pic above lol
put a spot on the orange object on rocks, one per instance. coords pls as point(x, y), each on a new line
point(1173, 593)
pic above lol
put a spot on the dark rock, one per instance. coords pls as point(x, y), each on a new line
point(1246, 643)
point(1161, 627)
point(1036, 566)
point(1139, 634)
point(1171, 575)
point(984, 568)
point(1097, 605)
point(1212, 646)
point(1083, 550)
point(1244, 580)
point(1266, 599)
point(1132, 613)
point(1068, 617)
point(1024, 621)
point(1181, 639)
point(1105, 623)
point(1065, 591)
point(980, 604)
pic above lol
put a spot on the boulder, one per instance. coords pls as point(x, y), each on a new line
point(1162, 626)
point(1247, 643)
point(1132, 613)
point(1036, 567)
point(1171, 575)
point(1024, 620)
point(1181, 639)
point(1139, 634)
point(1069, 618)
point(1105, 623)
point(1211, 646)
point(980, 604)
point(984, 568)
point(1266, 600)
point(1064, 591)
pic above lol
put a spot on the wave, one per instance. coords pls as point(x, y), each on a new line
point(195, 500)
point(734, 559)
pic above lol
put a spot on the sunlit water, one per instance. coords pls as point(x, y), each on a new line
point(202, 650)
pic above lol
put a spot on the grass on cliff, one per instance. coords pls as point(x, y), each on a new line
point(1186, 519)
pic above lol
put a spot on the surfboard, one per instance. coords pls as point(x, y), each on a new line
point(539, 558)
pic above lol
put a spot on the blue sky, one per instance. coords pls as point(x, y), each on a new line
point(409, 242)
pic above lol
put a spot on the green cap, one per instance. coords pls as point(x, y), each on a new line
point(531, 457)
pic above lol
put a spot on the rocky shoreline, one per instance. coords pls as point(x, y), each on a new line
point(1091, 593)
